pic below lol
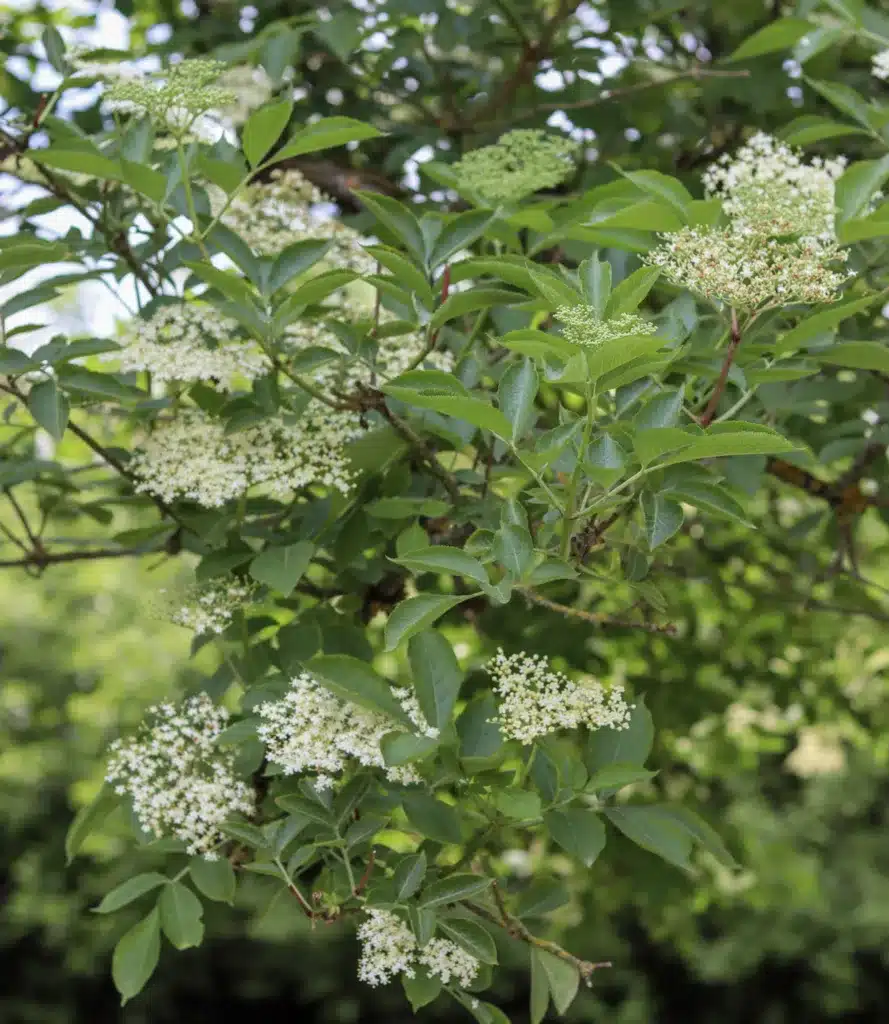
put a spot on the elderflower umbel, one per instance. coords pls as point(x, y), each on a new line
point(209, 607)
point(310, 729)
point(271, 215)
point(768, 191)
point(520, 162)
point(178, 102)
point(584, 326)
point(193, 457)
point(388, 948)
point(190, 342)
point(534, 700)
point(819, 751)
point(251, 88)
point(880, 65)
point(180, 783)
point(446, 960)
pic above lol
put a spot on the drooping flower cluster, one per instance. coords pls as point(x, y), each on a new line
point(209, 607)
point(181, 784)
point(520, 162)
point(193, 457)
point(178, 102)
point(780, 246)
point(312, 730)
point(271, 215)
point(190, 342)
point(584, 326)
point(389, 948)
point(880, 65)
point(446, 960)
point(535, 700)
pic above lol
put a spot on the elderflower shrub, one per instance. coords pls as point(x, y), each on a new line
point(180, 783)
point(288, 208)
point(207, 607)
point(388, 948)
point(880, 65)
point(535, 701)
point(177, 102)
point(584, 326)
point(446, 960)
point(190, 342)
point(311, 730)
point(193, 457)
point(520, 162)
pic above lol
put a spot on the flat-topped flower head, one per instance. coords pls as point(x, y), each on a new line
point(388, 948)
point(446, 960)
point(520, 162)
point(534, 700)
point(193, 457)
point(880, 65)
point(251, 87)
point(190, 342)
point(312, 730)
point(768, 191)
point(181, 784)
point(208, 607)
point(584, 326)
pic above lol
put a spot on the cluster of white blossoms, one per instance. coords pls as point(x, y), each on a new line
point(819, 751)
point(271, 215)
point(193, 457)
point(584, 326)
point(880, 65)
point(535, 700)
point(311, 730)
point(250, 86)
point(389, 948)
point(190, 342)
point(209, 607)
point(180, 783)
point(780, 245)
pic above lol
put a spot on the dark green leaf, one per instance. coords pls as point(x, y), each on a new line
point(326, 133)
point(516, 396)
point(606, 747)
point(282, 568)
point(472, 936)
point(421, 989)
point(130, 890)
point(89, 817)
point(653, 829)
point(431, 817)
point(443, 559)
point(181, 916)
point(136, 955)
point(417, 613)
point(214, 878)
point(579, 832)
point(453, 889)
point(663, 517)
point(49, 407)
point(437, 676)
point(353, 680)
point(409, 875)
point(263, 129)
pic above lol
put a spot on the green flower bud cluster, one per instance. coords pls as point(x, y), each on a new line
point(521, 162)
point(584, 326)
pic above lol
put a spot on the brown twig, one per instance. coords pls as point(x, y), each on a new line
point(595, 618)
point(706, 418)
point(41, 558)
point(365, 878)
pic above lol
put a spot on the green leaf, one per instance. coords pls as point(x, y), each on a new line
point(326, 133)
point(181, 916)
point(473, 937)
point(514, 549)
point(579, 832)
point(263, 129)
point(409, 874)
point(136, 955)
point(296, 259)
point(130, 890)
point(405, 271)
point(54, 45)
point(857, 355)
point(563, 979)
point(516, 396)
point(458, 232)
point(746, 442)
point(662, 186)
point(472, 410)
point(417, 613)
point(595, 280)
point(616, 776)
point(398, 219)
point(654, 830)
point(607, 747)
point(434, 819)
point(297, 642)
point(282, 568)
point(81, 161)
point(663, 517)
point(857, 185)
point(437, 676)
point(49, 407)
point(701, 831)
point(453, 889)
point(226, 282)
point(443, 559)
point(88, 818)
point(403, 747)
point(421, 989)
point(461, 303)
point(844, 99)
point(354, 680)
point(517, 804)
point(779, 35)
point(539, 989)
point(215, 879)
point(308, 810)
point(662, 411)
point(244, 833)
point(406, 508)
point(617, 352)
point(630, 293)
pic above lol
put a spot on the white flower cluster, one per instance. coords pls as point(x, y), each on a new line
point(209, 607)
point(767, 190)
point(190, 342)
point(819, 751)
point(446, 960)
point(83, 67)
point(180, 783)
point(535, 701)
point(193, 457)
point(250, 88)
point(310, 729)
point(780, 246)
point(880, 65)
point(271, 215)
point(388, 948)
point(584, 326)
